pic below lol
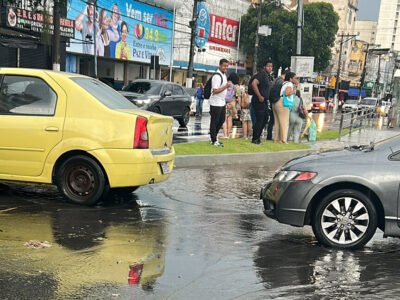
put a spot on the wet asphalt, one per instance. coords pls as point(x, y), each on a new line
point(199, 235)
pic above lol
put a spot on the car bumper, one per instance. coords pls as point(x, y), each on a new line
point(286, 201)
point(125, 167)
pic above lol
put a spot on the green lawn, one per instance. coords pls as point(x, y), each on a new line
point(330, 134)
point(234, 146)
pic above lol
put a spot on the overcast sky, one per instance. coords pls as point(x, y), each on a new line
point(368, 10)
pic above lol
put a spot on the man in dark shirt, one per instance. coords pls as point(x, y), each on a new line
point(261, 86)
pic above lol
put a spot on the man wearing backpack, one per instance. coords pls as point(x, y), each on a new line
point(219, 85)
point(259, 102)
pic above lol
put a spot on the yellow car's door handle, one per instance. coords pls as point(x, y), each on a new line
point(52, 129)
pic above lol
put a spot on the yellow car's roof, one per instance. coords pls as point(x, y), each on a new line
point(27, 71)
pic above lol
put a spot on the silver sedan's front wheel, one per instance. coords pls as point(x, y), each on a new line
point(345, 219)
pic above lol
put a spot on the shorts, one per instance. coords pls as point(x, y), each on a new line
point(231, 109)
point(246, 115)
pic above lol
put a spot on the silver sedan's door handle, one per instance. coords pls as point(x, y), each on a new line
point(52, 129)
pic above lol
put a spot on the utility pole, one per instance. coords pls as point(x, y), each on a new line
point(300, 24)
point(342, 41)
point(189, 77)
point(257, 38)
point(95, 38)
point(364, 71)
point(56, 36)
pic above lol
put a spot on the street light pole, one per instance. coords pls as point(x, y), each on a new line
point(257, 39)
point(300, 24)
point(192, 23)
point(171, 62)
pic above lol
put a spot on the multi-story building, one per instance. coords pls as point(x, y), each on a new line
point(367, 31)
point(388, 24)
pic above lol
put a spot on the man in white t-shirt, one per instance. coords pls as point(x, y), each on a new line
point(219, 84)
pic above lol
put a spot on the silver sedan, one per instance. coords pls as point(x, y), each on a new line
point(344, 195)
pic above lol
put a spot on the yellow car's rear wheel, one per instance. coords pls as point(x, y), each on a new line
point(81, 180)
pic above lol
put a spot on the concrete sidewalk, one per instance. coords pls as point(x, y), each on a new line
point(362, 137)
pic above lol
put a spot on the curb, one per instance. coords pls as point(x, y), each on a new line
point(259, 159)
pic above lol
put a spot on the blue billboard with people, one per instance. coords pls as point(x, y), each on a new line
point(125, 30)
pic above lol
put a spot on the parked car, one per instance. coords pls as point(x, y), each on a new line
point(79, 134)
point(344, 195)
point(192, 93)
point(319, 104)
point(350, 105)
point(370, 104)
point(162, 97)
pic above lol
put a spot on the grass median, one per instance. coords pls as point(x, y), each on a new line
point(232, 146)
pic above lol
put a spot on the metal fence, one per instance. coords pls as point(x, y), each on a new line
point(357, 120)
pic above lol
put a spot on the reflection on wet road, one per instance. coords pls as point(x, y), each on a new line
point(200, 235)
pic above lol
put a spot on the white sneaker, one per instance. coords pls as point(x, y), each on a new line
point(217, 144)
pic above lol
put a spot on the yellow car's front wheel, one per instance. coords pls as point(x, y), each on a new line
point(81, 180)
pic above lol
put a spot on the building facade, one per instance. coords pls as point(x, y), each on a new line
point(367, 31)
point(223, 39)
point(388, 25)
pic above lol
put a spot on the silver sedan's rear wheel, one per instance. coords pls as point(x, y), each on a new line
point(345, 219)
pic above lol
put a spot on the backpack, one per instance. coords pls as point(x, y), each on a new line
point(208, 87)
point(250, 90)
point(302, 114)
point(275, 93)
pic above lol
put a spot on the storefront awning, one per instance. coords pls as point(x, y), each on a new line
point(16, 39)
point(355, 92)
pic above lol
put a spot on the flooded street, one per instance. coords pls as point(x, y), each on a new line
point(200, 235)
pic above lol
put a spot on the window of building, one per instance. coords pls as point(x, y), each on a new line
point(23, 95)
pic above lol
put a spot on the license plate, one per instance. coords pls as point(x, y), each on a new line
point(165, 168)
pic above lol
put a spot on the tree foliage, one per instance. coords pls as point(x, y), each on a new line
point(320, 28)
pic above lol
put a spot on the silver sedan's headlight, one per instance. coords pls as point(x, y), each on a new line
point(284, 176)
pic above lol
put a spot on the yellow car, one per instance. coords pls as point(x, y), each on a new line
point(79, 134)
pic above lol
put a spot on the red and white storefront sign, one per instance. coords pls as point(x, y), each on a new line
point(223, 31)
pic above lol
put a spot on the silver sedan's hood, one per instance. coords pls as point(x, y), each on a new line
point(329, 159)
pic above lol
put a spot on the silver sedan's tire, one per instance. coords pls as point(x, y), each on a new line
point(345, 219)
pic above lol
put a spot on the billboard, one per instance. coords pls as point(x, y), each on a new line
point(127, 30)
point(36, 22)
point(202, 25)
point(223, 31)
point(303, 66)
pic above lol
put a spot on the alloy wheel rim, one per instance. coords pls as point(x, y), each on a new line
point(345, 220)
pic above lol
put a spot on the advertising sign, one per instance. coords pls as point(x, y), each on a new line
point(31, 21)
point(223, 31)
point(202, 25)
point(128, 30)
point(303, 66)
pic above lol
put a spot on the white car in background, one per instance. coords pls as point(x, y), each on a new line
point(350, 105)
point(192, 93)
